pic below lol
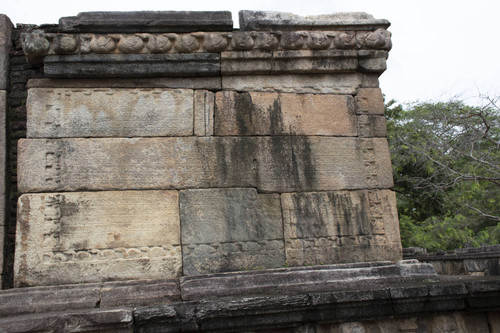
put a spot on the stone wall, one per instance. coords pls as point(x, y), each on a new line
point(210, 150)
point(481, 261)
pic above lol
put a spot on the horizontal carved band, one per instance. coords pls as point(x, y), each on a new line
point(36, 45)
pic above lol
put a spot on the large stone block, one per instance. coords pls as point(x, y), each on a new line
point(230, 230)
point(131, 65)
point(340, 227)
point(283, 62)
point(267, 20)
point(210, 82)
point(370, 125)
point(97, 236)
point(347, 84)
point(370, 101)
point(59, 112)
point(148, 21)
point(263, 113)
point(270, 164)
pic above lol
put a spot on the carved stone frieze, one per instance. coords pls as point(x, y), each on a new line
point(38, 44)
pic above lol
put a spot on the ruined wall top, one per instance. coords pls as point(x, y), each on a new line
point(339, 36)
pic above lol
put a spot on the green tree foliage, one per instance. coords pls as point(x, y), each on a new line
point(446, 163)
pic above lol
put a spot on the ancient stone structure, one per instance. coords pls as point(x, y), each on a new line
point(262, 148)
point(181, 175)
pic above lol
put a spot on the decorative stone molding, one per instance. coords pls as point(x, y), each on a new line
point(38, 44)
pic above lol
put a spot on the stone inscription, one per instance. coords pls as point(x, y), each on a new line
point(97, 236)
point(270, 164)
point(341, 226)
point(264, 113)
point(106, 112)
point(229, 230)
point(346, 84)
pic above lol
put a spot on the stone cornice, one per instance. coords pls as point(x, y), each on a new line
point(36, 45)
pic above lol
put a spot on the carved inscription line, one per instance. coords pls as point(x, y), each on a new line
point(52, 221)
point(167, 251)
point(52, 163)
point(233, 247)
point(324, 242)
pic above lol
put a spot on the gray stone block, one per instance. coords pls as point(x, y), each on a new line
point(262, 20)
point(288, 62)
point(118, 320)
point(19, 301)
point(290, 280)
point(270, 164)
point(148, 21)
point(319, 230)
point(210, 83)
point(370, 125)
point(98, 112)
point(230, 230)
point(139, 293)
point(131, 65)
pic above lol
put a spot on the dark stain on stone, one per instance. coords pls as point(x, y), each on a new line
point(275, 115)
point(245, 110)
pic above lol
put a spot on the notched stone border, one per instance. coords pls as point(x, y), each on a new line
point(38, 44)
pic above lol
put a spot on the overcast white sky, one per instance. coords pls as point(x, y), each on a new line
point(441, 48)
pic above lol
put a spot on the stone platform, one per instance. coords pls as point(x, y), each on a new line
point(284, 300)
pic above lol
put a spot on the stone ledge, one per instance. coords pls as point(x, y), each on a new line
point(148, 21)
point(156, 306)
point(267, 20)
point(131, 65)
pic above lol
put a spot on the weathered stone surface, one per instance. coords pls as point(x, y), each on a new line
point(230, 230)
point(3, 147)
point(117, 320)
point(131, 65)
point(91, 237)
point(6, 27)
point(59, 112)
point(347, 84)
point(204, 104)
point(293, 280)
point(264, 113)
point(148, 21)
point(285, 62)
point(139, 292)
point(19, 301)
point(267, 20)
point(270, 164)
point(370, 101)
point(370, 125)
point(334, 227)
point(278, 45)
point(211, 83)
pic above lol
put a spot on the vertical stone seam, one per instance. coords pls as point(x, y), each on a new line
point(283, 228)
point(180, 236)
